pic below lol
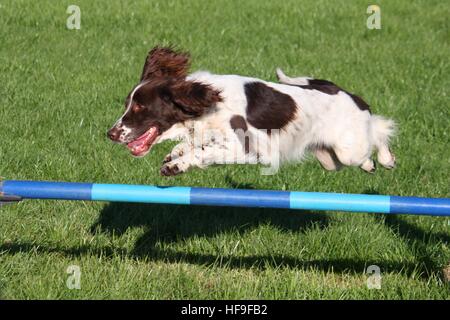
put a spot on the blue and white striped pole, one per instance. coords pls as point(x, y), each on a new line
point(225, 197)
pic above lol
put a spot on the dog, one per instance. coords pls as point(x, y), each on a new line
point(302, 115)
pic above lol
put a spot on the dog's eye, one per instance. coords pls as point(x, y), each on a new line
point(137, 108)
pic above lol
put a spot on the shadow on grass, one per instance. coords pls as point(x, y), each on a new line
point(417, 239)
point(170, 223)
point(420, 241)
point(260, 262)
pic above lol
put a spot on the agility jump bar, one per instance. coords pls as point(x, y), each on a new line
point(14, 189)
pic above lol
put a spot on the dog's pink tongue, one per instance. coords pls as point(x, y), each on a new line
point(143, 143)
point(141, 140)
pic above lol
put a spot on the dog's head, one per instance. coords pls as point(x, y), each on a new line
point(163, 98)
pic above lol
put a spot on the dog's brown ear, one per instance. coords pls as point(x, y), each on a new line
point(194, 98)
point(165, 62)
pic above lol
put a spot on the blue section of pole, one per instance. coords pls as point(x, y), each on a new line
point(240, 198)
point(47, 190)
point(422, 206)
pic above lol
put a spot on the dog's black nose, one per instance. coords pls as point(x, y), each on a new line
point(114, 133)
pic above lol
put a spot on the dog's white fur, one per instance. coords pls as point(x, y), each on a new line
point(332, 127)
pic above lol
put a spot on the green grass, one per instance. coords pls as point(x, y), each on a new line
point(61, 89)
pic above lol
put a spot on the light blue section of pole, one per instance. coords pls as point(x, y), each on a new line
point(340, 202)
point(136, 193)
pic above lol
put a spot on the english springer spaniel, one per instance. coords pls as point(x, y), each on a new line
point(247, 120)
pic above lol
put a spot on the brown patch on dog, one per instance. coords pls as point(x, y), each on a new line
point(330, 88)
point(194, 97)
point(362, 105)
point(239, 125)
point(268, 108)
point(165, 62)
point(324, 86)
point(238, 122)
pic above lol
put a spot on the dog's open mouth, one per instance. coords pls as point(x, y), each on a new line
point(142, 144)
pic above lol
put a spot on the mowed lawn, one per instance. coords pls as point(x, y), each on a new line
point(60, 90)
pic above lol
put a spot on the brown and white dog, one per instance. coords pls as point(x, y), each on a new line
point(302, 113)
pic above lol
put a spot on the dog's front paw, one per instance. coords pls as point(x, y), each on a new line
point(169, 169)
point(175, 154)
point(167, 158)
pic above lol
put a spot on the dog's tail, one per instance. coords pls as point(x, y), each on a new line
point(381, 131)
point(299, 81)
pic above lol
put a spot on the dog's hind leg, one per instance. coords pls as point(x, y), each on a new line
point(368, 165)
point(327, 158)
point(356, 156)
point(354, 148)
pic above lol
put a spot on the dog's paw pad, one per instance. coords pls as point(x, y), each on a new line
point(167, 158)
point(374, 168)
point(170, 170)
point(390, 164)
point(369, 166)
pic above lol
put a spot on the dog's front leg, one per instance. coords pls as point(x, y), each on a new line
point(178, 151)
point(182, 157)
point(185, 156)
point(175, 167)
point(203, 156)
